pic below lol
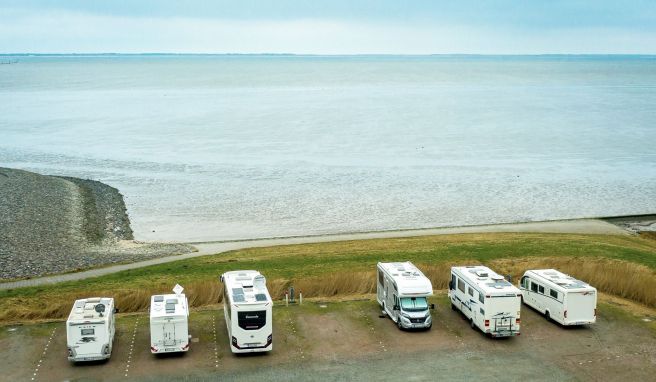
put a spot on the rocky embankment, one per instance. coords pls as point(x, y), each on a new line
point(54, 224)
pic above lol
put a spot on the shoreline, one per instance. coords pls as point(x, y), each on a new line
point(575, 226)
point(635, 219)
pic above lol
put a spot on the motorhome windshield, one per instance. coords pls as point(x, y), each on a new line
point(414, 304)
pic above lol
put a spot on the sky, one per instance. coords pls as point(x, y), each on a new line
point(329, 27)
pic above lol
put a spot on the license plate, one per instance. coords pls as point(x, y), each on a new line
point(252, 345)
point(169, 349)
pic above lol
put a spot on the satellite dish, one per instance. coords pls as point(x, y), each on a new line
point(177, 289)
point(100, 308)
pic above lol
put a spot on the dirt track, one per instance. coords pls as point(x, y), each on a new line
point(349, 341)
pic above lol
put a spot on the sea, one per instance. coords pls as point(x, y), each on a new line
point(228, 147)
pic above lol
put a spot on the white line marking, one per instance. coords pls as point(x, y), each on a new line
point(45, 350)
point(134, 333)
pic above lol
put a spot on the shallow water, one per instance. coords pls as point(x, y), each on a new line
point(227, 147)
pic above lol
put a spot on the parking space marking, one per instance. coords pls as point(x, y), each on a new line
point(370, 324)
point(43, 355)
point(216, 344)
point(292, 329)
point(134, 335)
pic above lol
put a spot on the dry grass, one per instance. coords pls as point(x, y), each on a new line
point(619, 278)
point(335, 284)
point(651, 235)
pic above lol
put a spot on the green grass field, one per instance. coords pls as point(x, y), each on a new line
point(283, 265)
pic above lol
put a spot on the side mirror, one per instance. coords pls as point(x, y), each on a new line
point(115, 310)
point(396, 307)
point(432, 306)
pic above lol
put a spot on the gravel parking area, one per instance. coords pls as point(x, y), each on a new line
point(348, 341)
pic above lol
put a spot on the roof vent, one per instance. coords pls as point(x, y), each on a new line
point(481, 273)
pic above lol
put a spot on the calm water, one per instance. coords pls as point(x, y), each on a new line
point(221, 147)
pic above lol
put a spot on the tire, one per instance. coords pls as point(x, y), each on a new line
point(398, 323)
point(471, 323)
point(453, 307)
point(547, 316)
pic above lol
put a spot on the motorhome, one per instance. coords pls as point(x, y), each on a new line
point(247, 306)
point(488, 300)
point(401, 291)
point(559, 297)
point(90, 329)
point(169, 322)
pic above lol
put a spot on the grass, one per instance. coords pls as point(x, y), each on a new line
point(620, 265)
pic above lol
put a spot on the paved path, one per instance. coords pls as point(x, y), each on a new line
point(590, 226)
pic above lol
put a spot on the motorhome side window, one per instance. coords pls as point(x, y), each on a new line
point(534, 287)
point(453, 281)
point(380, 277)
point(461, 285)
point(88, 332)
point(481, 298)
point(541, 289)
point(470, 291)
point(553, 293)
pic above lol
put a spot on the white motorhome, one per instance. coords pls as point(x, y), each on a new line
point(90, 329)
point(401, 291)
point(169, 322)
point(487, 300)
point(559, 297)
point(247, 306)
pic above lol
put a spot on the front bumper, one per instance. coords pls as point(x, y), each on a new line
point(408, 324)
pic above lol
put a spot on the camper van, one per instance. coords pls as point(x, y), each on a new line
point(401, 291)
point(247, 307)
point(559, 297)
point(487, 300)
point(90, 329)
point(169, 322)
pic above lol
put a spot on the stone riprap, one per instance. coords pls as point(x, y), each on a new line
point(54, 224)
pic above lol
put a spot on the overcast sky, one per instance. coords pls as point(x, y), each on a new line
point(329, 27)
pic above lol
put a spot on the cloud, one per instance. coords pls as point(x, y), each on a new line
point(75, 32)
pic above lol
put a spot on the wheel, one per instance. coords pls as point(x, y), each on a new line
point(471, 323)
point(547, 315)
point(453, 306)
point(398, 323)
point(429, 327)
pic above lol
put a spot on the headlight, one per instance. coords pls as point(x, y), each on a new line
point(405, 316)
